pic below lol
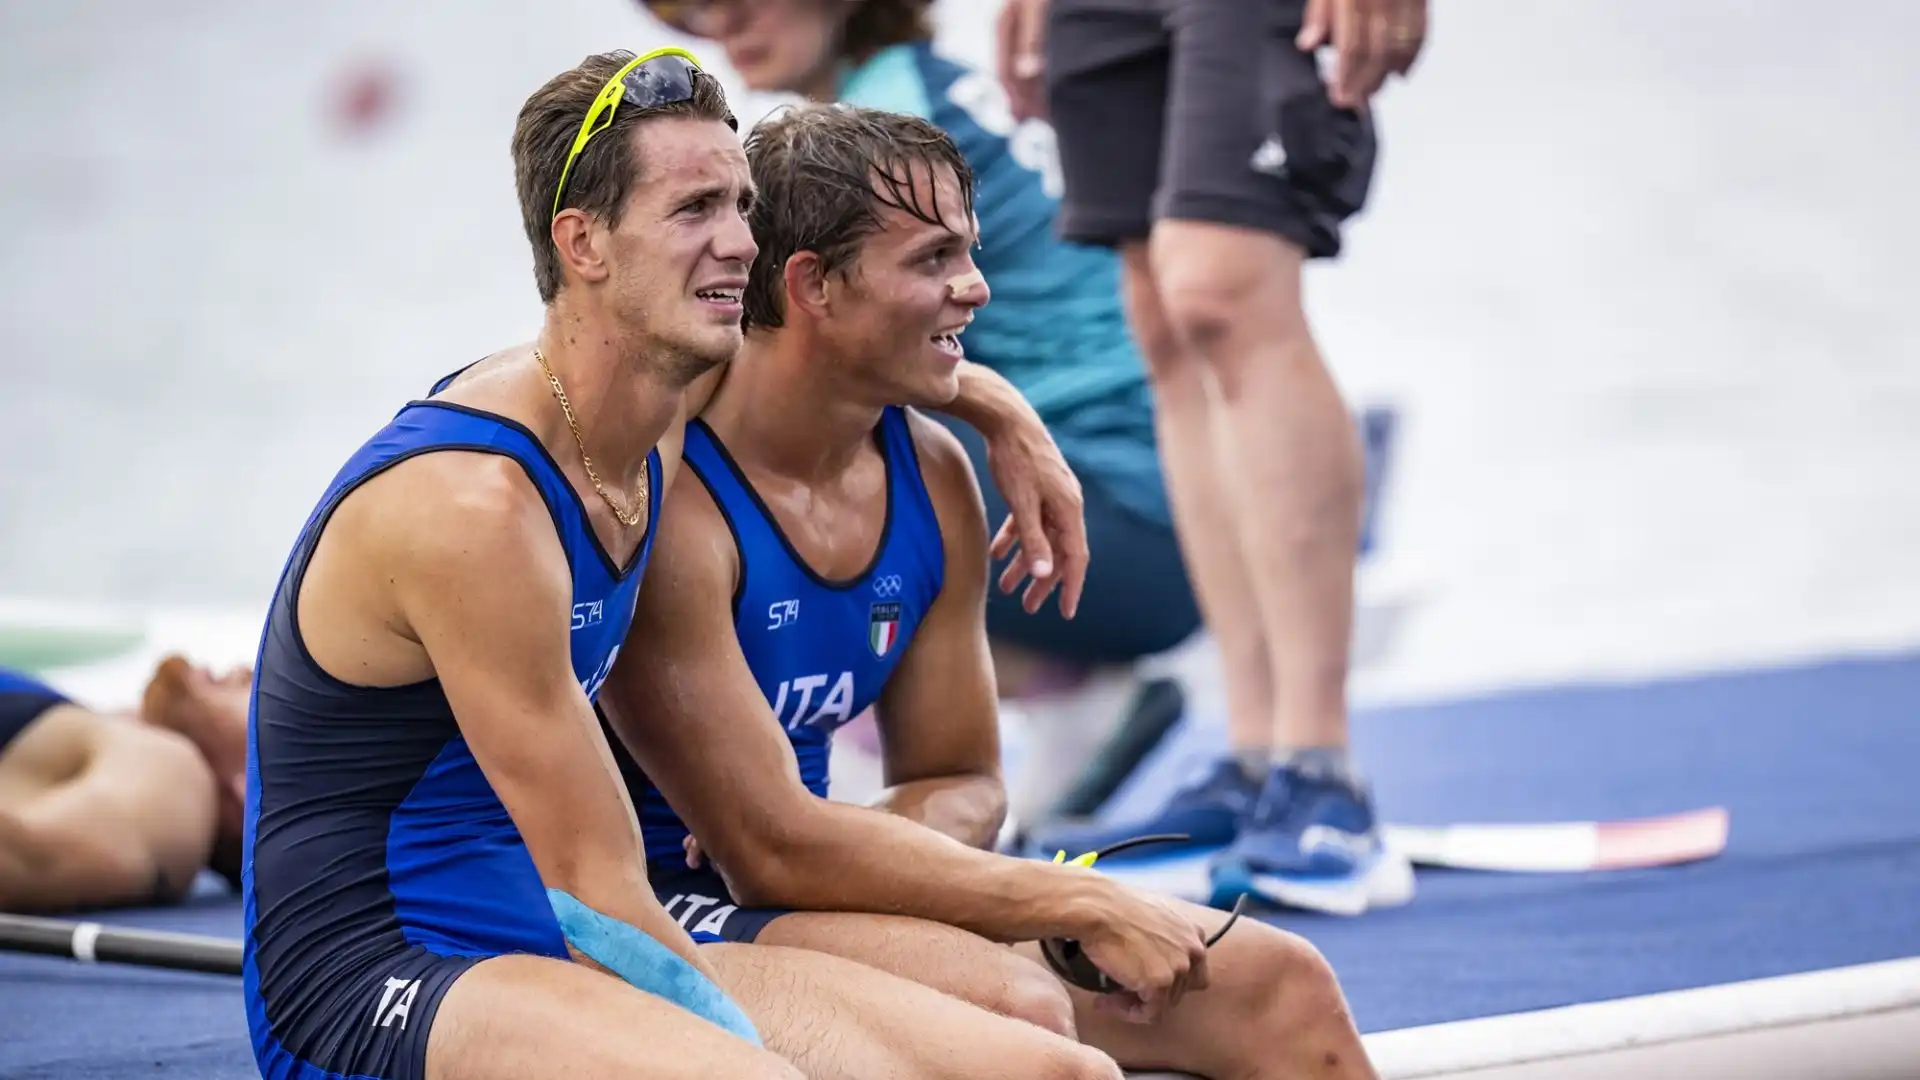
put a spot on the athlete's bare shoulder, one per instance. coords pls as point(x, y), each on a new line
point(452, 498)
point(420, 533)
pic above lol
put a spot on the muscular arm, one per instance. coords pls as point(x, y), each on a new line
point(988, 403)
point(482, 585)
point(938, 714)
point(686, 704)
point(1045, 530)
point(1047, 516)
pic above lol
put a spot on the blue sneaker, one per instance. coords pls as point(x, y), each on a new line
point(1311, 842)
point(1208, 811)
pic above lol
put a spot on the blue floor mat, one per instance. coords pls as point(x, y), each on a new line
point(59, 1019)
point(1823, 868)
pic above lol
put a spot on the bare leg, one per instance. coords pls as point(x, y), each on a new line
point(512, 1017)
point(1231, 297)
point(125, 815)
point(840, 1020)
point(1007, 985)
point(1273, 1009)
point(1201, 479)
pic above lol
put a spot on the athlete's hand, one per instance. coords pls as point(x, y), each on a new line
point(1047, 521)
point(1021, 56)
point(1373, 39)
point(1152, 948)
point(692, 848)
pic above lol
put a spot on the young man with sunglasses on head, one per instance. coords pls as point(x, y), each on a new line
point(443, 876)
point(831, 554)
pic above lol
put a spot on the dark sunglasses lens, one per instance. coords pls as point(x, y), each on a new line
point(662, 80)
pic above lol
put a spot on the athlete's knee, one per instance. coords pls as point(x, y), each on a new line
point(1159, 348)
point(1296, 988)
point(1081, 1062)
point(1219, 292)
point(1063, 1060)
point(1029, 992)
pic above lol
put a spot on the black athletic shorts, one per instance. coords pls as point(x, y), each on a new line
point(699, 901)
point(23, 699)
point(1199, 110)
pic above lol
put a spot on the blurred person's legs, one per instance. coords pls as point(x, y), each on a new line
point(1196, 137)
point(96, 810)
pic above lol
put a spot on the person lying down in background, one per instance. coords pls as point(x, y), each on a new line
point(104, 809)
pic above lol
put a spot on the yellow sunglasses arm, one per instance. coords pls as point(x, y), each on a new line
point(603, 105)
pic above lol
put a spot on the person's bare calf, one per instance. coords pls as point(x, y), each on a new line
point(1273, 1008)
point(1202, 482)
point(841, 1020)
point(1232, 299)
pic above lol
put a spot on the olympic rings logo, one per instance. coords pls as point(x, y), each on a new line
point(887, 585)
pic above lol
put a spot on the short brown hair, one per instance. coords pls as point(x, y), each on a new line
point(823, 173)
point(606, 170)
point(878, 24)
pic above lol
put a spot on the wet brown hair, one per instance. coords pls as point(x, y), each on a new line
point(824, 173)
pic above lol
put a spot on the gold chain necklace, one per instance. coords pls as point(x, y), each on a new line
point(639, 494)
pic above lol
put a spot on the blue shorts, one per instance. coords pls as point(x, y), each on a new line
point(370, 1023)
point(699, 901)
point(23, 700)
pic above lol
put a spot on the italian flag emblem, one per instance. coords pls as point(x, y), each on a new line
point(883, 627)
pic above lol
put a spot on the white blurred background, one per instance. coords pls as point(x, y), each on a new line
point(1633, 275)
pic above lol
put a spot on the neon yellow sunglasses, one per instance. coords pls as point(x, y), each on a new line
point(661, 77)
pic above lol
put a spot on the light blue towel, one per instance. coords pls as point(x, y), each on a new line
point(647, 964)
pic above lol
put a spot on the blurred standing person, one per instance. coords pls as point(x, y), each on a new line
point(1203, 140)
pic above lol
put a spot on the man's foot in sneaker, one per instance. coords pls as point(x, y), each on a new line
point(1312, 842)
